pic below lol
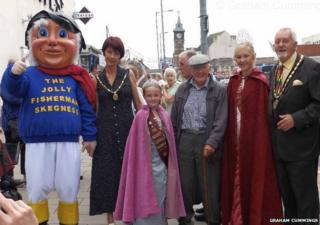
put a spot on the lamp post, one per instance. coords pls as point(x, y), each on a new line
point(107, 31)
point(204, 26)
point(161, 49)
point(157, 39)
point(162, 32)
point(162, 28)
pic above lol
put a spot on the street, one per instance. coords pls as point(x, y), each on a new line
point(83, 198)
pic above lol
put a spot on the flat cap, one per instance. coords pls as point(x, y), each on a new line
point(198, 59)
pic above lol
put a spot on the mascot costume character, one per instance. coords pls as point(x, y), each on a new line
point(57, 108)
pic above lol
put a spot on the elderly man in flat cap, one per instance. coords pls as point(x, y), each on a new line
point(199, 117)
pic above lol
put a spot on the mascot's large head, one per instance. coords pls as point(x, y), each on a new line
point(54, 40)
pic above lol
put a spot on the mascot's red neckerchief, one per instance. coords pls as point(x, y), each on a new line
point(81, 76)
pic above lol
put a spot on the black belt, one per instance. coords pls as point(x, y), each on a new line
point(194, 131)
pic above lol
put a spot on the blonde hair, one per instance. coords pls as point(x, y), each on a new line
point(247, 45)
point(170, 70)
point(151, 83)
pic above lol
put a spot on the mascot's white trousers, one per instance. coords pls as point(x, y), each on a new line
point(53, 166)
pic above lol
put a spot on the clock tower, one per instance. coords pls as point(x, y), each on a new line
point(178, 34)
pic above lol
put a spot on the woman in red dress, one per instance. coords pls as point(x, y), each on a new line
point(250, 194)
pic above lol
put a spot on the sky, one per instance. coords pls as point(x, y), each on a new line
point(134, 21)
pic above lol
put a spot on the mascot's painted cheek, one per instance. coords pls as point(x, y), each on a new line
point(53, 46)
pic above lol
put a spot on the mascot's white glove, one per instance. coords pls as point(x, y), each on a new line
point(90, 146)
point(18, 67)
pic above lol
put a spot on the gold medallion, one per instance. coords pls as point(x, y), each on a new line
point(115, 96)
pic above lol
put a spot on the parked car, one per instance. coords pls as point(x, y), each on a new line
point(266, 69)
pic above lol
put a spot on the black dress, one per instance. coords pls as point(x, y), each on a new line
point(114, 120)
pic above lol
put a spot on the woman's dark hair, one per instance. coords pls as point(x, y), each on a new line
point(115, 43)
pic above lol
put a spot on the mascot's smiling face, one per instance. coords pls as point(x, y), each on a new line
point(52, 45)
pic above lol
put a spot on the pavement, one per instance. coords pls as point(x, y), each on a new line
point(83, 198)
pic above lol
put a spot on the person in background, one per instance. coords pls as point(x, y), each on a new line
point(158, 77)
point(169, 90)
point(16, 213)
point(116, 90)
point(138, 70)
point(199, 119)
point(184, 67)
point(294, 112)
point(150, 190)
point(248, 162)
point(145, 76)
point(94, 73)
point(9, 119)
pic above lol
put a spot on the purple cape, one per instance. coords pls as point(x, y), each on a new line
point(136, 195)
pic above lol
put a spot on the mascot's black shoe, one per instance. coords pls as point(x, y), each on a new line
point(18, 183)
point(200, 210)
point(200, 217)
point(9, 182)
point(44, 223)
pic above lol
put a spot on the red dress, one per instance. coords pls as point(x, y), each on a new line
point(6, 163)
point(249, 192)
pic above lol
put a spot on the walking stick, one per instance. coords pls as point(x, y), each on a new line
point(205, 189)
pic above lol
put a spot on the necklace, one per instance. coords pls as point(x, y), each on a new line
point(115, 95)
point(278, 93)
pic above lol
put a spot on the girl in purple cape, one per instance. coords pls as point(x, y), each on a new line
point(150, 190)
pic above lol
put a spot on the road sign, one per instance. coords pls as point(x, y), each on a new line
point(84, 15)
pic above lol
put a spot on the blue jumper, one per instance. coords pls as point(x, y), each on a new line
point(54, 107)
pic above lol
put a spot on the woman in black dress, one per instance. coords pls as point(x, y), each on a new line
point(116, 90)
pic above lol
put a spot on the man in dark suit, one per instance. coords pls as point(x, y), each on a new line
point(294, 105)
